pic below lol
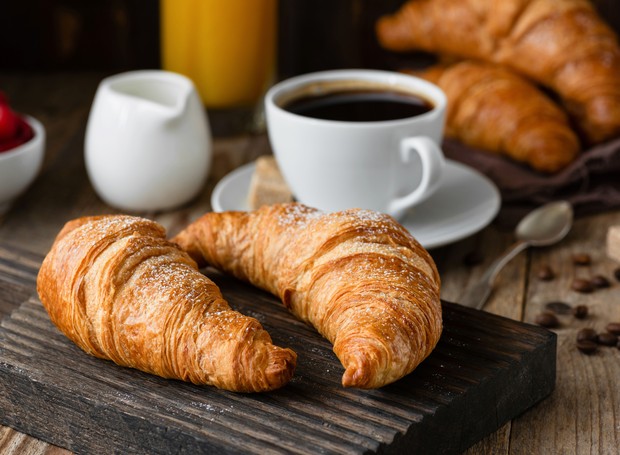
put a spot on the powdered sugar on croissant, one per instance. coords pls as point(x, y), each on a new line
point(357, 276)
point(119, 290)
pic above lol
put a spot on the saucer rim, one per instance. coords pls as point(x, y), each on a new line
point(494, 202)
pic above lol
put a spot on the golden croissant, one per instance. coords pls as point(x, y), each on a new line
point(497, 110)
point(357, 276)
point(119, 290)
point(562, 44)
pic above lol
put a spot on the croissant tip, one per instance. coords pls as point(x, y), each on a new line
point(358, 377)
point(281, 368)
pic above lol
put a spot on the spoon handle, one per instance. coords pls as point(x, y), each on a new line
point(476, 296)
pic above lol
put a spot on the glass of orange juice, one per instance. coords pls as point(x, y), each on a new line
point(227, 48)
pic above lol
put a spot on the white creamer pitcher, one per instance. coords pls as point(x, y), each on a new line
point(148, 143)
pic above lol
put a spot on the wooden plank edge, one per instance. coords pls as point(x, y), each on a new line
point(122, 433)
point(537, 371)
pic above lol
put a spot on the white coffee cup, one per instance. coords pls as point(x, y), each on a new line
point(148, 143)
point(386, 165)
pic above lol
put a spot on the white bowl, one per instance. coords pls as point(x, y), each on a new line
point(21, 165)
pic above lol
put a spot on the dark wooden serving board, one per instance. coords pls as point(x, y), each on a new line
point(485, 371)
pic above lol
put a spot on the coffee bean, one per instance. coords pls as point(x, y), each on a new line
point(607, 339)
point(581, 285)
point(599, 281)
point(617, 274)
point(613, 327)
point(547, 319)
point(580, 311)
point(546, 273)
point(588, 334)
point(587, 346)
point(558, 307)
point(582, 259)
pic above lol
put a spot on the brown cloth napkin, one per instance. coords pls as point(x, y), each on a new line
point(591, 183)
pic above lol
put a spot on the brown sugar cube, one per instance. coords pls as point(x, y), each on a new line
point(267, 185)
point(613, 243)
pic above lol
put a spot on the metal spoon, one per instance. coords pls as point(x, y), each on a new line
point(542, 227)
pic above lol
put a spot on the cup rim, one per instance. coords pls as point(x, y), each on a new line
point(389, 78)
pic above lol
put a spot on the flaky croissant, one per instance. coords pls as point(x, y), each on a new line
point(120, 291)
point(357, 276)
point(562, 44)
point(494, 109)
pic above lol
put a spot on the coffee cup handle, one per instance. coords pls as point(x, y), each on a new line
point(433, 163)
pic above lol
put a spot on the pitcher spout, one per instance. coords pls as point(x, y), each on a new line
point(159, 94)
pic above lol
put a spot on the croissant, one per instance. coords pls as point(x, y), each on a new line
point(494, 109)
point(119, 290)
point(357, 276)
point(562, 44)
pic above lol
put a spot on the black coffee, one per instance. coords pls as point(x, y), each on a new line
point(360, 106)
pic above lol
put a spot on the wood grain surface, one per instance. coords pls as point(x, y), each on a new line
point(485, 371)
point(582, 416)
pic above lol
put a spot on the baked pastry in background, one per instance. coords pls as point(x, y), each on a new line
point(494, 109)
point(357, 276)
point(561, 44)
point(119, 290)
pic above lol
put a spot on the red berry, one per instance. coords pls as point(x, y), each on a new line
point(14, 130)
point(23, 133)
point(8, 123)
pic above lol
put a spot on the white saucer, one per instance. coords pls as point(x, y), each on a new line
point(466, 202)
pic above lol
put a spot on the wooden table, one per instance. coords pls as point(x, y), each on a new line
point(581, 416)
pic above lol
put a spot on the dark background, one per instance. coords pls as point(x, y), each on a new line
point(118, 35)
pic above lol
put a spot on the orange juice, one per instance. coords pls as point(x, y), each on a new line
point(227, 47)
